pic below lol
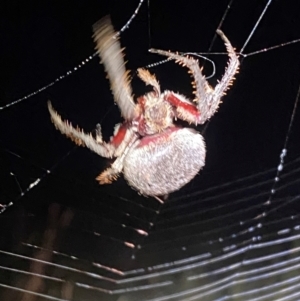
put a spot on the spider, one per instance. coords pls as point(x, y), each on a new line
point(156, 156)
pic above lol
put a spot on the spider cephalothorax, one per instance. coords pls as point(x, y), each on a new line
point(154, 114)
point(156, 156)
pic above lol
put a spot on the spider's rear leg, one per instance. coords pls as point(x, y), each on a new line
point(111, 174)
point(207, 98)
point(79, 137)
point(117, 147)
point(122, 140)
point(97, 145)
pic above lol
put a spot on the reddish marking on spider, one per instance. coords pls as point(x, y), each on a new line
point(140, 117)
point(174, 101)
point(119, 137)
point(141, 100)
point(156, 138)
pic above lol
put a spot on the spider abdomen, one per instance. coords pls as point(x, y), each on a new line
point(162, 163)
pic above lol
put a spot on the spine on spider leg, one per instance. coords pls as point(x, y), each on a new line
point(210, 104)
point(200, 85)
point(109, 49)
point(79, 137)
point(184, 109)
point(125, 141)
point(231, 70)
point(149, 79)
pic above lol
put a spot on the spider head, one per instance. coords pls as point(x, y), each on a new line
point(155, 114)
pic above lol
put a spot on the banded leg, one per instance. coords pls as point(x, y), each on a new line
point(112, 173)
point(207, 98)
point(184, 109)
point(118, 146)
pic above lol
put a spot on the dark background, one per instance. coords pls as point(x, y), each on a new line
point(42, 40)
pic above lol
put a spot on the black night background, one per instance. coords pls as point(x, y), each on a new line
point(61, 225)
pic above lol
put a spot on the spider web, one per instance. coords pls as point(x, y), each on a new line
point(231, 234)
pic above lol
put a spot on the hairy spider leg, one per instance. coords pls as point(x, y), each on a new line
point(207, 98)
point(149, 79)
point(80, 137)
point(123, 141)
point(184, 109)
point(110, 52)
point(119, 144)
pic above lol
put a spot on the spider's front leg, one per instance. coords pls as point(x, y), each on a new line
point(207, 98)
point(109, 49)
point(183, 108)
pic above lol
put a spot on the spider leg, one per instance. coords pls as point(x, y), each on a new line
point(79, 137)
point(109, 49)
point(118, 146)
point(183, 108)
point(229, 75)
point(149, 79)
point(207, 98)
point(111, 174)
point(202, 88)
point(98, 131)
